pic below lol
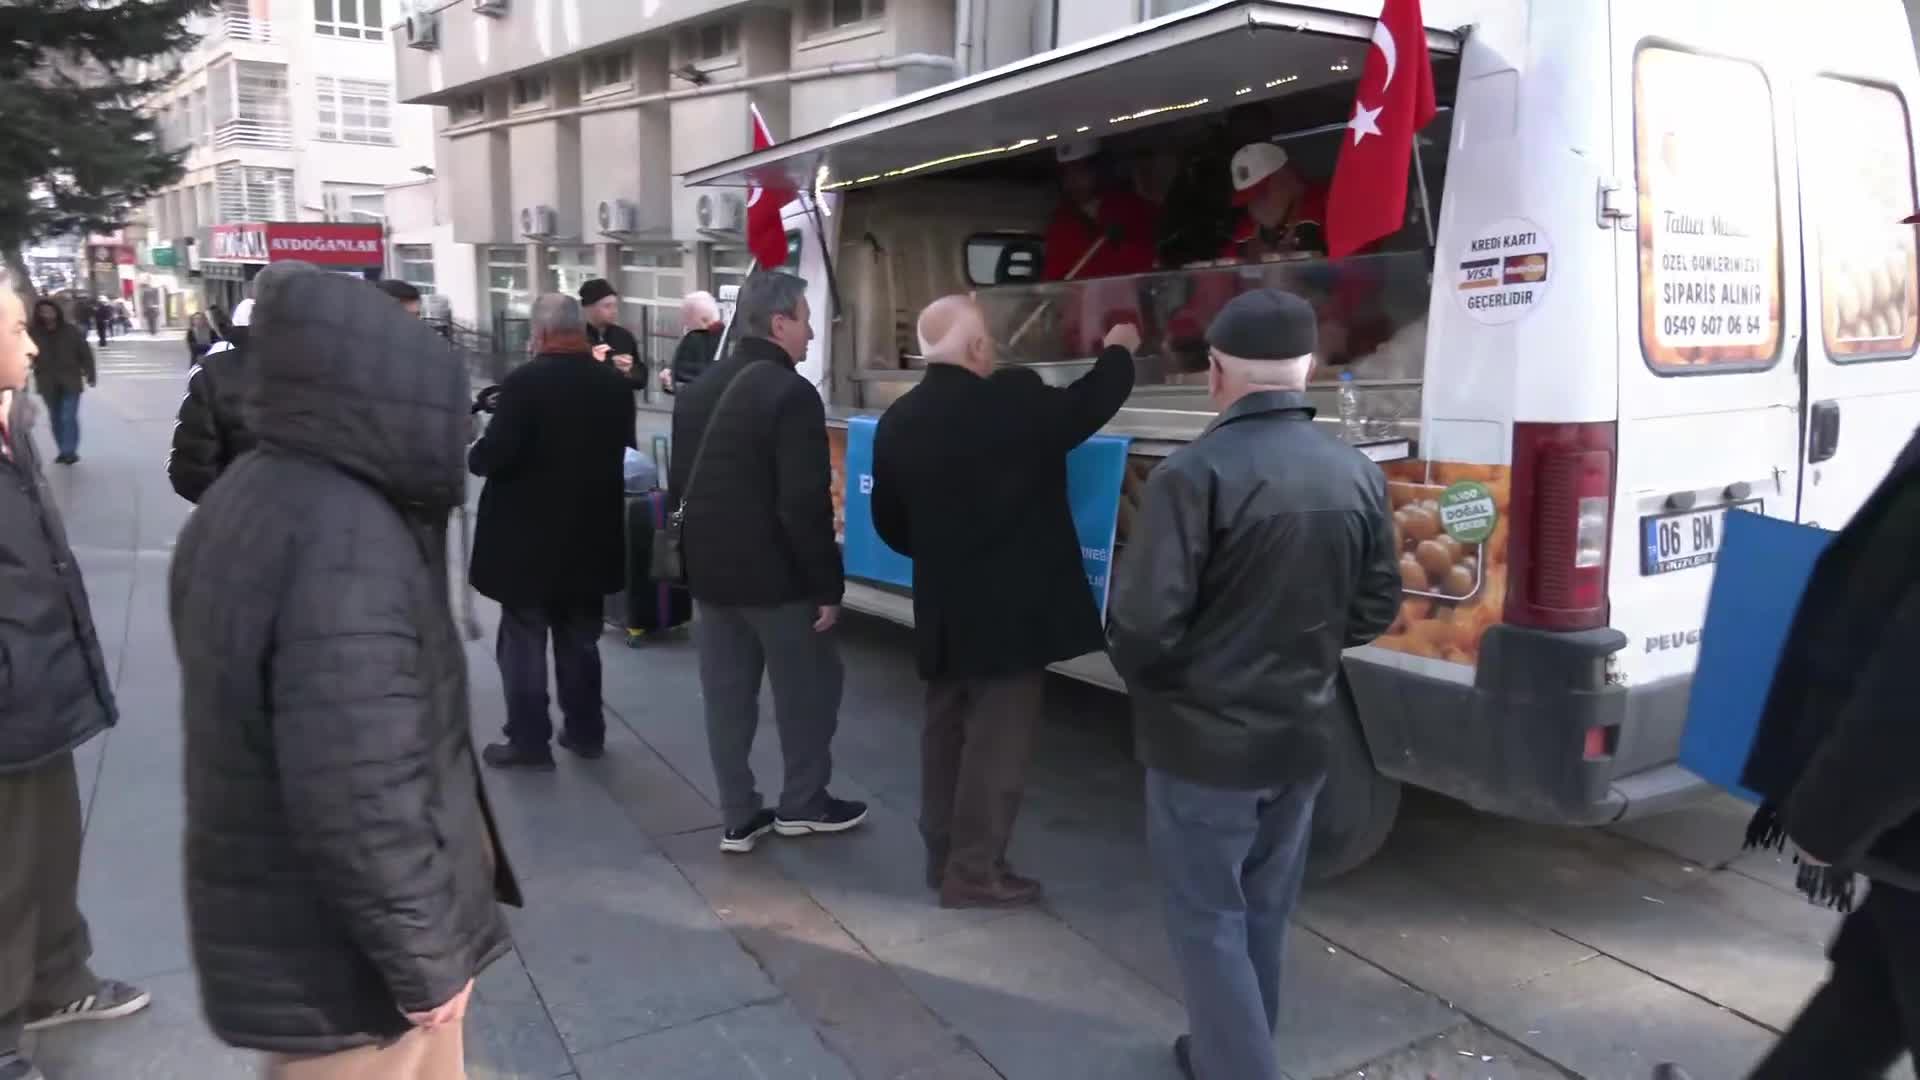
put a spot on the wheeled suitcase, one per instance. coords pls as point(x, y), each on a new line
point(651, 607)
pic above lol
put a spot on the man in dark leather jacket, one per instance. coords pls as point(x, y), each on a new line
point(1262, 550)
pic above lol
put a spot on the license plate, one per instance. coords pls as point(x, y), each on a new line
point(1684, 540)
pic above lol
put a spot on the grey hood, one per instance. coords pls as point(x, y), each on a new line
point(341, 373)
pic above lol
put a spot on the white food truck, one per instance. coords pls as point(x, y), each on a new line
point(1652, 270)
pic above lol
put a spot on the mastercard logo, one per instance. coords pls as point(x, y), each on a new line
point(1524, 269)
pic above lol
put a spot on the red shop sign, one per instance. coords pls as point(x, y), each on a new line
point(327, 243)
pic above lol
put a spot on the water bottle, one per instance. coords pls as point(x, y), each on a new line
point(1349, 409)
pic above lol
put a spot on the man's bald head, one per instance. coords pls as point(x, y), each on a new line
point(953, 330)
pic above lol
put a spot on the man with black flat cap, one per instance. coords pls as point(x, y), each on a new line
point(1261, 551)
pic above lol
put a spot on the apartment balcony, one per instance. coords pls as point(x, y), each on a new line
point(260, 134)
point(234, 20)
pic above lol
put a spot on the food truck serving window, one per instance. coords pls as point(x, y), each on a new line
point(1710, 294)
point(1862, 187)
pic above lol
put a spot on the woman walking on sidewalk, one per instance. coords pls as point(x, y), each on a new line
point(63, 371)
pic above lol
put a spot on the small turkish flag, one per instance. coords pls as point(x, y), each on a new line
point(769, 193)
point(1368, 198)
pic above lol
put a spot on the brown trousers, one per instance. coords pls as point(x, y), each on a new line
point(44, 942)
point(420, 1054)
point(973, 767)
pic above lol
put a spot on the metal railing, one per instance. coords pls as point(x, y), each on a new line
point(236, 24)
point(265, 134)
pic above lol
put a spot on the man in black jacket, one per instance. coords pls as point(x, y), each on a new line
point(550, 542)
point(55, 694)
point(342, 865)
point(62, 371)
point(1262, 549)
point(970, 480)
point(209, 431)
point(751, 468)
point(612, 343)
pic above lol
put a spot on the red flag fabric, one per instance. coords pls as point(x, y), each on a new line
point(770, 192)
point(1368, 199)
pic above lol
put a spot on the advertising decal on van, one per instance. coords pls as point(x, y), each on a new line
point(1450, 527)
point(1503, 271)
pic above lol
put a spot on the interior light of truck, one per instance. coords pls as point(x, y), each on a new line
point(1243, 91)
point(1338, 65)
point(1560, 516)
point(1282, 81)
point(1081, 130)
point(1158, 109)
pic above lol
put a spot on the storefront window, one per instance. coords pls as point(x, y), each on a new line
point(568, 268)
point(652, 284)
point(508, 286)
point(415, 265)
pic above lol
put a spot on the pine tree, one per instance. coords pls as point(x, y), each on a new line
point(77, 150)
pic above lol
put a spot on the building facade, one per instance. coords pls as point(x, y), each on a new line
point(287, 112)
point(563, 126)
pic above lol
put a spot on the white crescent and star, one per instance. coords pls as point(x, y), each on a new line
point(1366, 121)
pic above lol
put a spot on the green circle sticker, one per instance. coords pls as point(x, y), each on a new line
point(1467, 512)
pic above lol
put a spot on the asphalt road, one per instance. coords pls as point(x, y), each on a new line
point(1471, 948)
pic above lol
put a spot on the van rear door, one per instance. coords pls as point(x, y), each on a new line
point(1709, 271)
point(1856, 130)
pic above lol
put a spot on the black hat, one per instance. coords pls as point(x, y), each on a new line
point(1266, 324)
point(595, 290)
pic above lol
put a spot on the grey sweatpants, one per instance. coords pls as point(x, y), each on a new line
point(736, 645)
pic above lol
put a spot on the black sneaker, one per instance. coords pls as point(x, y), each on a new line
point(1183, 1055)
point(15, 1067)
point(110, 1000)
point(1670, 1072)
point(590, 751)
point(839, 816)
point(505, 755)
point(747, 837)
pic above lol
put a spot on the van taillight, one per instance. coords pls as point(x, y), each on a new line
point(1562, 509)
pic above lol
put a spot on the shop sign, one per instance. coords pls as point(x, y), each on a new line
point(327, 243)
point(238, 243)
point(162, 255)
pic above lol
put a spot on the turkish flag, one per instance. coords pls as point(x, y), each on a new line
point(766, 196)
point(1368, 199)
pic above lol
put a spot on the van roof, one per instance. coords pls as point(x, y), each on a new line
point(1209, 57)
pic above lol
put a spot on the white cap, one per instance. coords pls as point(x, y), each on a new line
point(242, 312)
point(1255, 162)
point(1071, 150)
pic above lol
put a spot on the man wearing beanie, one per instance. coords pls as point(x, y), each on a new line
point(1261, 550)
point(612, 343)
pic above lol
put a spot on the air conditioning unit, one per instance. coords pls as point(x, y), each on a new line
point(495, 8)
point(423, 30)
point(725, 213)
point(539, 222)
point(619, 217)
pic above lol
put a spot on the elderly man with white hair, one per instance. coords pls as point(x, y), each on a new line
point(970, 481)
point(1262, 549)
point(700, 314)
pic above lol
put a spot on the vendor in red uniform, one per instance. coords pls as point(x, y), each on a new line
point(1282, 213)
point(1096, 232)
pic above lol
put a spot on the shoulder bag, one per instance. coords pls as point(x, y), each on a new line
point(667, 562)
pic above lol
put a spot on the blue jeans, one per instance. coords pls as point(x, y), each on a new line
point(63, 417)
point(1230, 865)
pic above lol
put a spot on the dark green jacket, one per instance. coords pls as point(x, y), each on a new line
point(65, 363)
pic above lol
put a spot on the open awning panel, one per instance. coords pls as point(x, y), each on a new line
point(1203, 60)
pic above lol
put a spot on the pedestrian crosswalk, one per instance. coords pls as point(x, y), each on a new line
point(140, 358)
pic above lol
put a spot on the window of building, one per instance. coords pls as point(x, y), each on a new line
point(249, 105)
point(570, 267)
point(650, 276)
point(347, 202)
point(530, 91)
point(413, 264)
point(359, 19)
point(825, 16)
point(1869, 278)
point(467, 108)
point(727, 267)
point(251, 193)
point(607, 72)
point(1710, 250)
point(354, 111)
point(508, 286)
point(706, 44)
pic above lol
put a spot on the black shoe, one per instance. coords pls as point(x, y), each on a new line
point(839, 816)
point(1670, 1072)
point(1183, 1055)
point(66, 459)
point(505, 755)
point(14, 1067)
point(747, 837)
point(110, 1000)
point(590, 751)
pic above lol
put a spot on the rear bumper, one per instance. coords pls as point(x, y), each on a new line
point(1515, 741)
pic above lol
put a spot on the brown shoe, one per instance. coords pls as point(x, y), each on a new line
point(999, 891)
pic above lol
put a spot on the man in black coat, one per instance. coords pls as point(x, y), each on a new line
point(55, 694)
point(550, 543)
point(62, 371)
point(1835, 758)
point(343, 871)
point(1261, 550)
point(970, 481)
point(751, 469)
point(612, 343)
